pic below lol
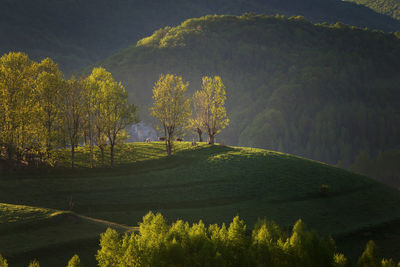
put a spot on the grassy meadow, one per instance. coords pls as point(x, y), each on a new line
point(53, 213)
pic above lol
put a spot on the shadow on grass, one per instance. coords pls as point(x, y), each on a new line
point(135, 159)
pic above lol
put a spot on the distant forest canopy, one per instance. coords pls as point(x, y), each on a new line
point(76, 33)
point(326, 92)
point(387, 7)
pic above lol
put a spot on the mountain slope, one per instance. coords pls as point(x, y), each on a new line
point(212, 183)
point(323, 92)
point(387, 7)
point(78, 32)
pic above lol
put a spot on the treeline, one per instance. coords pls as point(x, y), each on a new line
point(158, 243)
point(40, 110)
point(325, 92)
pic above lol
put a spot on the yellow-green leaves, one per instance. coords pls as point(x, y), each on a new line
point(210, 102)
point(171, 105)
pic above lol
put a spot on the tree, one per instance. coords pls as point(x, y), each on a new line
point(196, 123)
point(115, 113)
point(74, 262)
point(34, 263)
point(369, 257)
point(16, 89)
point(171, 106)
point(95, 114)
point(49, 89)
point(3, 262)
point(73, 113)
point(212, 100)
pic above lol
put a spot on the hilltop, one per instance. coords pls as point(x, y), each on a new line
point(212, 183)
point(387, 7)
point(325, 92)
point(80, 32)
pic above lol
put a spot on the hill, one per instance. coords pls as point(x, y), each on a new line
point(213, 183)
point(326, 92)
point(76, 33)
point(48, 235)
point(387, 7)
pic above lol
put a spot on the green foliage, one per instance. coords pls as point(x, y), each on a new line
point(34, 263)
point(74, 261)
point(171, 106)
point(340, 260)
point(39, 110)
point(321, 91)
point(3, 262)
point(44, 30)
point(388, 7)
point(158, 243)
point(370, 257)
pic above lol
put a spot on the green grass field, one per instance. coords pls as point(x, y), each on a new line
point(212, 183)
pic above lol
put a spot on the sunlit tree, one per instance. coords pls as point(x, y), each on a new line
point(3, 262)
point(73, 114)
point(171, 106)
point(75, 261)
point(17, 73)
point(212, 106)
point(196, 123)
point(49, 90)
point(115, 112)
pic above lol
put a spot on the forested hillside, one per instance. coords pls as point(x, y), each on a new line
point(387, 7)
point(78, 32)
point(326, 92)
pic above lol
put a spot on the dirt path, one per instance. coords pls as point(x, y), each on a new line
point(111, 224)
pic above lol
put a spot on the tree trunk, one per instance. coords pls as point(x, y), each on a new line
point(72, 155)
point(199, 132)
point(211, 139)
point(169, 146)
point(112, 155)
point(91, 153)
point(102, 155)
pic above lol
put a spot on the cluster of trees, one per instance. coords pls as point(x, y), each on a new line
point(179, 244)
point(325, 92)
point(75, 261)
point(172, 107)
point(41, 110)
point(158, 243)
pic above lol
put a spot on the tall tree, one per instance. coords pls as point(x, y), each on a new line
point(93, 116)
point(73, 113)
point(110, 111)
point(118, 114)
point(49, 90)
point(171, 106)
point(96, 80)
point(17, 73)
point(196, 123)
point(212, 104)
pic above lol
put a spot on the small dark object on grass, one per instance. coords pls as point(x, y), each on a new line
point(324, 190)
point(161, 138)
point(179, 139)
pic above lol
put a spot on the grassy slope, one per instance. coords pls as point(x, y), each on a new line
point(210, 183)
